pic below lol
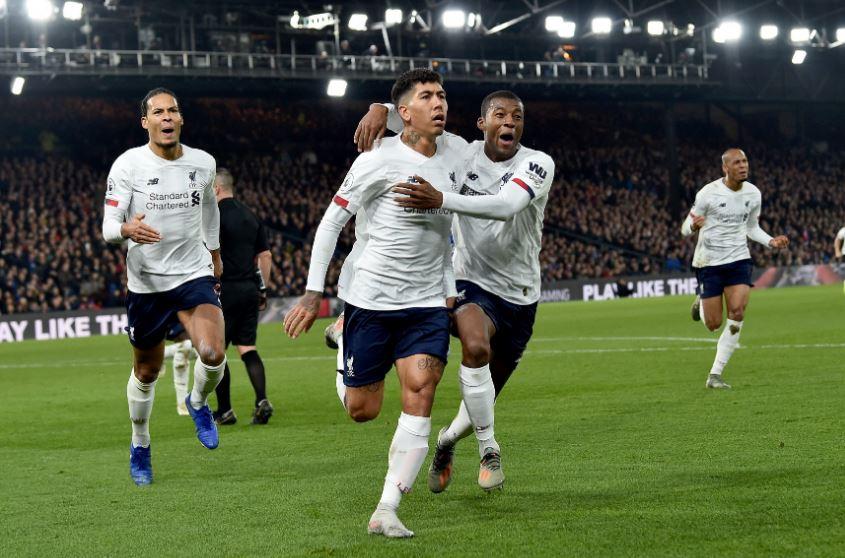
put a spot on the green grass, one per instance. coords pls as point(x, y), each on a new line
point(611, 446)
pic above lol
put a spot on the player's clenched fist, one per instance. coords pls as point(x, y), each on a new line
point(139, 231)
point(301, 317)
point(779, 242)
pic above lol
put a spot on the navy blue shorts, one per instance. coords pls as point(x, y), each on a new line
point(175, 331)
point(514, 322)
point(713, 279)
point(152, 315)
point(374, 339)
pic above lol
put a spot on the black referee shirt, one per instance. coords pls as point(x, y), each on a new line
point(242, 237)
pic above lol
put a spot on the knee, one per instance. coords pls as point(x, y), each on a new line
point(476, 352)
point(146, 373)
point(713, 325)
point(737, 314)
point(211, 355)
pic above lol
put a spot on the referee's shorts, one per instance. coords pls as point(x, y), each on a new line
point(240, 311)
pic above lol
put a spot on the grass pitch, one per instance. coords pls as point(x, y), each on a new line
point(611, 447)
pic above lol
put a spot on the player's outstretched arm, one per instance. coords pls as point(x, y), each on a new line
point(510, 200)
point(302, 316)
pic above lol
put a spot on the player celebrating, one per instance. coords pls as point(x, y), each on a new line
point(160, 196)
point(498, 234)
point(726, 212)
point(395, 301)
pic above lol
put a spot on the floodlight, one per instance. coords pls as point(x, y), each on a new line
point(768, 32)
point(392, 16)
point(473, 20)
point(727, 31)
point(39, 10)
point(799, 34)
point(601, 25)
point(840, 35)
point(566, 30)
point(358, 22)
point(453, 19)
point(655, 28)
point(72, 11)
point(553, 23)
point(17, 85)
point(336, 88)
point(798, 56)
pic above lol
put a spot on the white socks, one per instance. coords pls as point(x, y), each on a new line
point(460, 428)
point(180, 369)
point(338, 378)
point(140, 397)
point(407, 454)
point(206, 379)
point(728, 342)
point(479, 395)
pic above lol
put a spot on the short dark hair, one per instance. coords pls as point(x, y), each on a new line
point(406, 82)
point(227, 181)
point(501, 94)
point(152, 93)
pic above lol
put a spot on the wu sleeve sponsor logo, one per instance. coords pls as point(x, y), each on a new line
point(536, 169)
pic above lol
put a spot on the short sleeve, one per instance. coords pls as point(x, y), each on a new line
point(841, 234)
point(535, 174)
point(261, 244)
point(701, 204)
point(365, 175)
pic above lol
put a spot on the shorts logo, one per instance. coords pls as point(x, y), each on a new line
point(350, 370)
point(132, 333)
point(461, 295)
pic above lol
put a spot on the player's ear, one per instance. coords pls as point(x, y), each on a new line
point(480, 123)
point(404, 113)
point(144, 124)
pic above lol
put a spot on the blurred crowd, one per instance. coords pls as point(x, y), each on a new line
point(607, 214)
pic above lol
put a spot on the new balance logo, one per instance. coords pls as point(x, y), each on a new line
point(152, 182)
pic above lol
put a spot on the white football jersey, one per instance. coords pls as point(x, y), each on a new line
point(177, 199)
point(401, 261)
point(502, 257)
point(841, 234)
point(728, 217)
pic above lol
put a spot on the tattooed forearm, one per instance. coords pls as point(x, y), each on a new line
point(411, 137)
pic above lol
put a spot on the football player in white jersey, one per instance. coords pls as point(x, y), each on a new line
point(396, 297)
point(725, 214)
point(160, 197)
point(498, 232)
point(838, 241)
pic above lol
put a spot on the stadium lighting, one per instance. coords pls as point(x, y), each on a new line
point(727, 31)
point(358, 22)
point(336, 88)
point(566, 30)
point(553, 23)
point(601, 25)
point(392, 16)
point(768, 32)
point(72, 11)
point(17, 85)
point(798, 56)
point(840, 35)
point(473, 20)
point(655, 28)
point(39, 10)
point(454, 19)
point(799, 35)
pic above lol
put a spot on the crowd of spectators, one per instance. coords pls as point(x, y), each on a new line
point(607, 214)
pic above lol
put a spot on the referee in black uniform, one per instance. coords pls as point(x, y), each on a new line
point(246, 268)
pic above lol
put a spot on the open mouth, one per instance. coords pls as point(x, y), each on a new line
point(439, 119)
point(167, 131)
point(506, 139)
